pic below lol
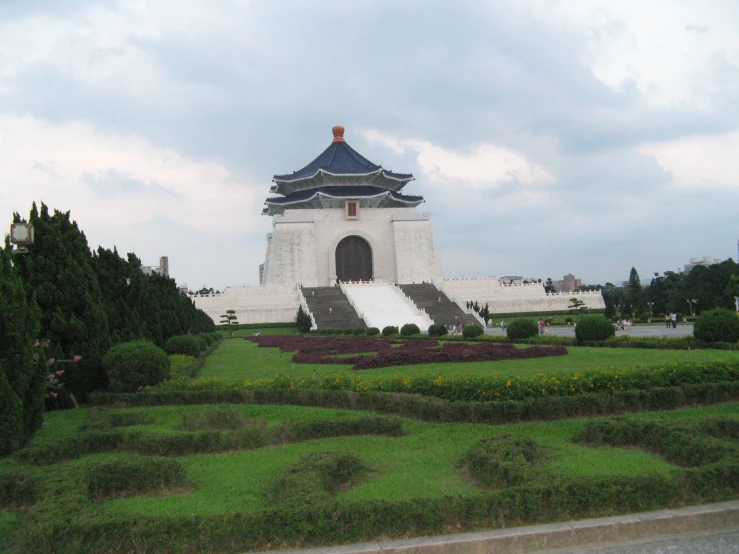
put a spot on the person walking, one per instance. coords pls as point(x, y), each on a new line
point(668, 319)
point(673, 316)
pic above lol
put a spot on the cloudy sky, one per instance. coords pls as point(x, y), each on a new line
point(547, 136)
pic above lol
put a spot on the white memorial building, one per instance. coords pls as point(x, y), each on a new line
point(343, 222)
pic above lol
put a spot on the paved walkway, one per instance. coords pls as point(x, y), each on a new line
point(682, 330)
point(712, 528)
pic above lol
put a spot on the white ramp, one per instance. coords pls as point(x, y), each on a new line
point(381, 305)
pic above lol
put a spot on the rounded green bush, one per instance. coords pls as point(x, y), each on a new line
point(522, 328)
point(183, 344)
point(203, 343)
point(438, 330)
point(389, 330)
point(358, 331)
point(410, 329)
point(208, 338)
point(717, 326)
point(472, 331)
point(594, 328)
point(373, 331)
point(217, 335)
point(131, 365)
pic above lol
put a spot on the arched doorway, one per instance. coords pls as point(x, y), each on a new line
point(353, 259)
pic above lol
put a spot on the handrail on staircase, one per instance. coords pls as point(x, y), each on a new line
point(306, 309)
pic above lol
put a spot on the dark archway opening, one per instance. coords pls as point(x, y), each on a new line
point(353, 259)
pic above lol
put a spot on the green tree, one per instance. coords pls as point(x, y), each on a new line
point(229, 319)
point(303, 321)
point(22, 383)
point(58, 271)
point(635, 292)
point(577, 305)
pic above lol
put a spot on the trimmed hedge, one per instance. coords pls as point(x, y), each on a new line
point(503, 461)
point(131, 365)
point(101, 419)
point(389, 330)
point(410, 329)
point(437, 330)
point(360, 520)
point(437, 410)
point(717, 326)
point(522, 329)
point(18, 489)
point(372, 331)
point(252, 436)
point(594, 328)
point(472, 331)
point(183, 344)
point(315, 478)
point(135, 475)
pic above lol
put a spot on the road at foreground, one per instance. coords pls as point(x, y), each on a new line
point(715, 542)
point(707, 529)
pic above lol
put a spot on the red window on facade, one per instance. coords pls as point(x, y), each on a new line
point(352, 209)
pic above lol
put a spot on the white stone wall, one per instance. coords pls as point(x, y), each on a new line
point(416, 257)
point(302, 247)
point(291, 252)
point(254, 304)
point(530, 297)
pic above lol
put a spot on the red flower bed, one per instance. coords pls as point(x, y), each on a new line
point(325, 350)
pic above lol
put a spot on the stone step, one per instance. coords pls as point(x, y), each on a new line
point(439, 307)
point(331, 309)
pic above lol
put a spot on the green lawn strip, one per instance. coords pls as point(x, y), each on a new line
point(268, 331)
point(239, 361)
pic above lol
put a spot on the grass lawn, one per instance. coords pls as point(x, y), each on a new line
point(239, 360)
point(421, 464)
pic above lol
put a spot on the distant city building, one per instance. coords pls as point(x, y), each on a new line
point(706, 260)
point(161, 269)
point(567, 284)
point(183, 288)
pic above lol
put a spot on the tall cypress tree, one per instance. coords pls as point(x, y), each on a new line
point(21, 381)
point(58, 269)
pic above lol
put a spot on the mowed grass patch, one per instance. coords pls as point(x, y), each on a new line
point(240, 360)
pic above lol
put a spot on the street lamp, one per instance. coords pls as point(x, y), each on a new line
point(691, 304)
point(650, 304)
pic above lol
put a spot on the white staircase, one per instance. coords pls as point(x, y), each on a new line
point(382, 304)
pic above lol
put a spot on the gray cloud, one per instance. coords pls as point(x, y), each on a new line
point(258, 86)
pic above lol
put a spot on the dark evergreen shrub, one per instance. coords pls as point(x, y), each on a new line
point(472, 331)
point(347, 331)
point(302, 321)
point(433, 330)
point(183, 344)
point(202, 343)
point(358, 331)
point(136, 364)
point(389, 330)
point(717, 326)
point(410, 329)
point(208, 338)
point(315, 477)
point(372, 331)
point(135, 475)
point(522, 328)
point(217, 335)
point(503, 461)
point(594, 328)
